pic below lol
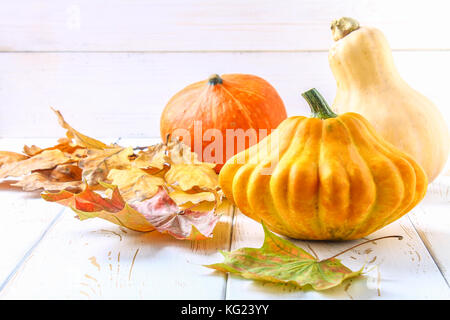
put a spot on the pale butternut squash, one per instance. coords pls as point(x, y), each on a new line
point(368, 83)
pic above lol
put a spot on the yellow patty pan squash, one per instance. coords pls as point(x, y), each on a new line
point(328, 177)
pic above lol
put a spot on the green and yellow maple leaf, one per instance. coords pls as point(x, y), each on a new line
point(280, 261)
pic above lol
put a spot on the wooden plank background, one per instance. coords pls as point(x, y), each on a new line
point(220, 25)
point(111, 66)
point(117, 63)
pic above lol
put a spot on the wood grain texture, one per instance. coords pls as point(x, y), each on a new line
point(224, 25)
point(432, 222)
point(395, 269)
point(123, 94)
point(24, 217)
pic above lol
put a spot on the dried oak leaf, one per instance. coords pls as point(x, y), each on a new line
point(135, 184)
point(180, 153)
point(65, 172)
point(7, 157)
point(167, 217)
point(98, 163)
point(181, 197)
point(80, 139)
point(89, 204)
point(165, 154)
point(186, 176)
point(39, 180)
point(45, 160)
point(64, 144)
point(64, 176)
point(280, 261)
point(159, 212)
point(155, 157)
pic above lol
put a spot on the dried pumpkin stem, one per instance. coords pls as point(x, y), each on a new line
point(342, 27)
point(215, 79)
point(319, 107)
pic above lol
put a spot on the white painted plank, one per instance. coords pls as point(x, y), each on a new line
point(95, 259)
point(432, 221)
point(24, 216)
point(123, 94)
point(191, 25)
point(398, 269)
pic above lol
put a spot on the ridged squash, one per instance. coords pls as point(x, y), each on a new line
point(369, 83)
point(328, 177)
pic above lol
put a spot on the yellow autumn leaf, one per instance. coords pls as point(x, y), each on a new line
point(98, 163)
point(154, 157)
point(64, 144)
point(39, 180)
point(165, 154)
point(187, 176)
point(44, 160)
point(81, 139)
point(180, 197)
point(135, 184)
point(7, 157)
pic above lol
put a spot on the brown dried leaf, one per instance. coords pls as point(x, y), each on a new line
point(80, 139)
point(180, 153)
point(164, 214)
point(44, 160)
point(39, 180)
point(154, 157)
point(98, 163)
point(188, 176)
point(65, 146)
point(66, 172)
point(162, 155)
point(7, 157)
point(135, 184)
point(32, 150)
point(65, 176)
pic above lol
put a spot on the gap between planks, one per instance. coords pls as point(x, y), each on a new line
point(230, 244)
point(30, 251)
point(428, 247)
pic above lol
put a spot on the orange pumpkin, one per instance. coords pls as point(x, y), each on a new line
point(208, 114)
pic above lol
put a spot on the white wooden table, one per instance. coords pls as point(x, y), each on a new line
point(111, 68)
point(47, 253)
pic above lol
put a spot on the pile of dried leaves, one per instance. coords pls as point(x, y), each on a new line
point(160, 187)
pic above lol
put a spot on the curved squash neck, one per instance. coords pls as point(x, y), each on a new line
point(361, 56)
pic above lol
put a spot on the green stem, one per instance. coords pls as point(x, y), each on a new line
point(215, 79)
point(318, 105)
